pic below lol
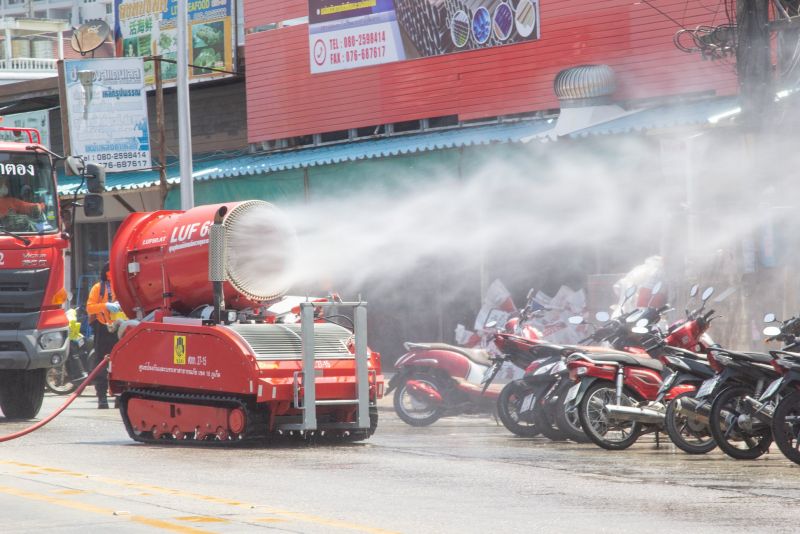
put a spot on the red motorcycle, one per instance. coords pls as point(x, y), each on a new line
point(438, 379)
point(619, 398)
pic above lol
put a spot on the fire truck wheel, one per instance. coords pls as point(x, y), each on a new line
point(21, 392)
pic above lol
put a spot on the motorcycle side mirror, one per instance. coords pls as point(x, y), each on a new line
point(530, 294)
point(639, 330)
point(693, 291)
point(769, 318)
point(575, 319)
point(707, 293)
point(656, 288)
point(602, 316)
point(772, 331)
point(630, 291)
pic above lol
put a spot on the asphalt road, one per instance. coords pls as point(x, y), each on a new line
point(81, 473)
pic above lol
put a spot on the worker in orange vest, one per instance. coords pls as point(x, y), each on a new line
point(8, 203)
point(100, 306)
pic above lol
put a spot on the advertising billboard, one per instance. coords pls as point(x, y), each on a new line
point(147, 28)
point(345, 34)
point(107, 112)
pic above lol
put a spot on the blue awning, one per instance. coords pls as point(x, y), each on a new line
point(700, 112)
point(251, 164)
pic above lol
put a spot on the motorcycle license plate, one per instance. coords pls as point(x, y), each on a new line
point(572, 393)
point(707, 387)
point(527, 403)
point(771, 389)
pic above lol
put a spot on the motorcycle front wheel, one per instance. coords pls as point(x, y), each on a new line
point(605, 432)
point(544, 416)
point(786, 426)
point(567, 417)
point(57, 380)
point(508, 409)
point(688, 434)
point(414, 410)
point(734, 440)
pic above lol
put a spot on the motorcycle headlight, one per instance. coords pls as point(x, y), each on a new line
point(51, 340)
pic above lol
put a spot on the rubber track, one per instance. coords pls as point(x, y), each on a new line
point(256, 422)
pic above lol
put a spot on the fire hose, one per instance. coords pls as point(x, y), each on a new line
point(63, 407)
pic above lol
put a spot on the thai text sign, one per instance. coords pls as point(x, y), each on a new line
point(107, 112)
point(147, 28)
point(344, 34)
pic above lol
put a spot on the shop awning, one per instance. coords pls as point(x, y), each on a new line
point(700, 112)
point(252, 164)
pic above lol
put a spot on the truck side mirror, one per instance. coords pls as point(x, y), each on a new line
point(75, 165)
point(93, 205)
point(95, 178)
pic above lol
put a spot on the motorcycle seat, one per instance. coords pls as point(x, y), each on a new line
point(626, 359)
point(479, 356)
point(756, 357)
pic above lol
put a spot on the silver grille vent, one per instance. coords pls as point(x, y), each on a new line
point(282, 341)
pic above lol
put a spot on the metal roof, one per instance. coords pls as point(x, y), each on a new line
point(250, 164)
point(233, 165)
point(660, 117)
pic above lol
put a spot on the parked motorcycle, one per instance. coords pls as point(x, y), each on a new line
point(740, 424)
point(623, 397)
point(781, 399)
point(438, 379)
point(550, 382)
point(65, 378)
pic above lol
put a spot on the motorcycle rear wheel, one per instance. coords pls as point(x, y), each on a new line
point(596, 424)
point(732, 439)
point(689, 436)
point(57, 381)
point(508, 404)
point(415, 411)
point(544, 416)
point(786, 426)
point(567, 418)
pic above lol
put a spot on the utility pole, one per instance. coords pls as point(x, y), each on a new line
point(753, 61)
point(184, 120)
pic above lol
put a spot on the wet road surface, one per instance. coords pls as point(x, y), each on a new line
point(464, 474)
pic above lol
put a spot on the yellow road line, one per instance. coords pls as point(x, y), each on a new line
point(85, 507)
point(286, 514)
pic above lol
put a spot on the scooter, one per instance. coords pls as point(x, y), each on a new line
point(438, 379)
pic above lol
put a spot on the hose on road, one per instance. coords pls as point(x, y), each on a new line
point(70, 399)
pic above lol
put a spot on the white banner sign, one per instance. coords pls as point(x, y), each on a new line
point(107, 108)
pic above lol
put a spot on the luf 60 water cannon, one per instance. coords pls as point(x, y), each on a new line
point(231, 375)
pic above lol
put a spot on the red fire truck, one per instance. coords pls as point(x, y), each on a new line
point(33, 323)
